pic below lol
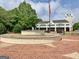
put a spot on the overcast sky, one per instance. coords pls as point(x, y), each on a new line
point(58, 7)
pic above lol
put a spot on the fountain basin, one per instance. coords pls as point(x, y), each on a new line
point(29, 39)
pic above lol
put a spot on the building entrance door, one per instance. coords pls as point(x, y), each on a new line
point(67, 29)
point(60, 30)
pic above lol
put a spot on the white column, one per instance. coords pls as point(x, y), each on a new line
point(39, 27)
point(70, 29)
point(64, 27)
point(46, 27)
point(32, 28)
point(55, 28)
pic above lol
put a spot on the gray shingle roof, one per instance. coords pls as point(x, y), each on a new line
point(55, 21)
point(60, 21)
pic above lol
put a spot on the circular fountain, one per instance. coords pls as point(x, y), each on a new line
point(30, 37)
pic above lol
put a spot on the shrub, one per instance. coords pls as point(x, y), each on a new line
point(76, 26)
point(2, 28)
point(17, 28)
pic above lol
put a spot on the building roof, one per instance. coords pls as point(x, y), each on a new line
point(55, 21)
point(43, 22)
point(60, 21)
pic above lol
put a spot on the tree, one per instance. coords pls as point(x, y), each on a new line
point(17, 28)
point(27, 15)
point(21, 17)
point(2, 29)
point(76, 26)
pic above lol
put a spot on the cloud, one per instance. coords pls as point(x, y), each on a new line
point(58, 10)
point(42, 8)
point(10, 4)
point(62, 11)
point(76, 15)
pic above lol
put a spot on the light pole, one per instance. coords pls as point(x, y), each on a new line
point(49, 12)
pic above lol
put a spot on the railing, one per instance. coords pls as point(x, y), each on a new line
point(53, 25)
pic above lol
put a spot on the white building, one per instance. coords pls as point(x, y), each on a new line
point(56, 25)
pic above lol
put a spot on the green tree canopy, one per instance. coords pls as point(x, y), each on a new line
point(76, 26)
point(23, 15)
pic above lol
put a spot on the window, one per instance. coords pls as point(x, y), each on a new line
point(59, 24)
point(43, 25)
point(52, 25)
point(67, 24)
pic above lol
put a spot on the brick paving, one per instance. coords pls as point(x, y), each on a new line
point(42, 51)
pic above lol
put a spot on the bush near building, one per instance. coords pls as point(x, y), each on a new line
point(76, 26)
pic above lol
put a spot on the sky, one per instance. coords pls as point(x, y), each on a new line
point(58, 8)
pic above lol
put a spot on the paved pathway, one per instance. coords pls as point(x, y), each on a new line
point(68, 48)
